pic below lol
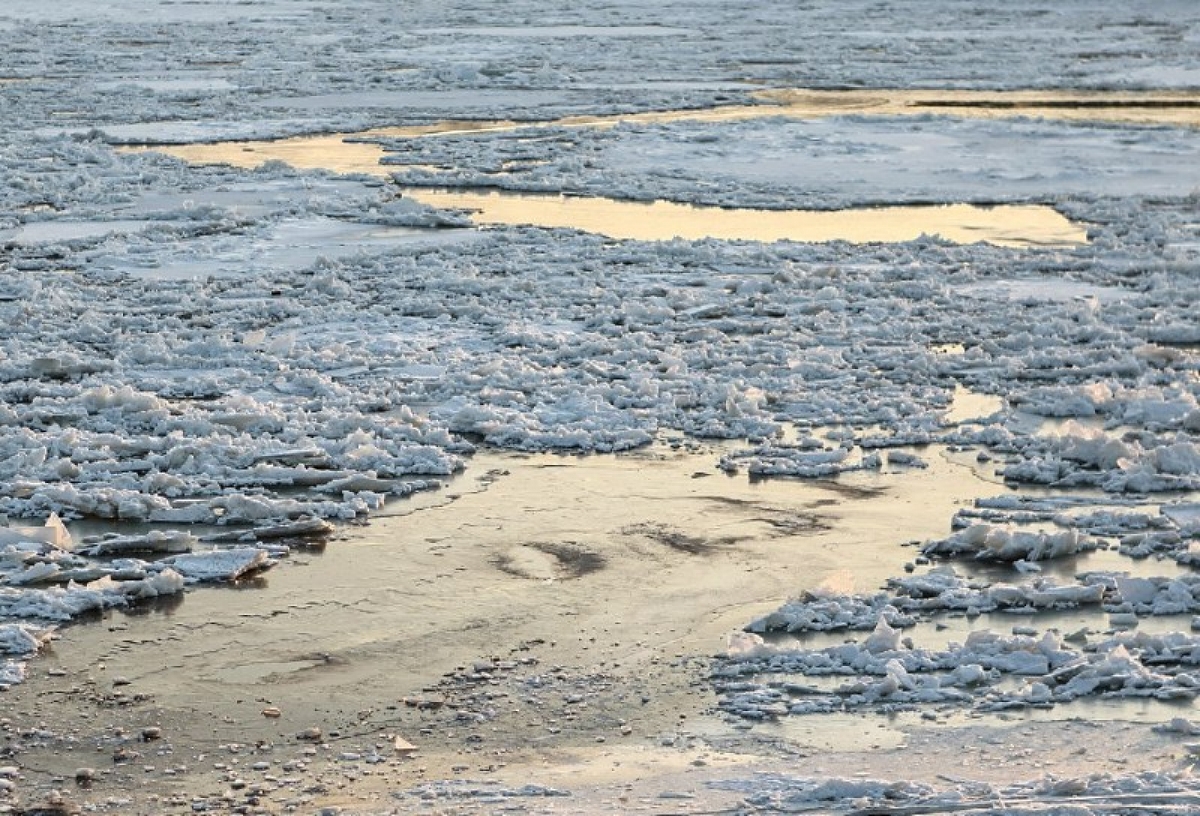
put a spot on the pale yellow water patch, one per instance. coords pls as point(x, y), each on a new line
point(1005, 226)
point(1132, 107)
point(336, 152)
point(1010, 225)
point(328, 152)
point(348, 153)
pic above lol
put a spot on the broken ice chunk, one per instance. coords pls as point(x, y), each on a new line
point(156, 541)
point(995, 543)
point(219, 565)
point(53, 532)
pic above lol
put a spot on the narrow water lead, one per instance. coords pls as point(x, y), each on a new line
point(355, 153)
point(1011, 226)
point(1008, 225)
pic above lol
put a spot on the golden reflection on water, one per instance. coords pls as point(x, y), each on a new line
point(1006, 225)
point(344, 153)
point(1011, 225)
point(1128, 107)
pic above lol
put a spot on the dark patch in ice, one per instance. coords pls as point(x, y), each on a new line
point(677, 539)
point(568, 560)
point(784, 521)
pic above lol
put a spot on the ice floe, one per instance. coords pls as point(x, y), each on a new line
point(986, 541)
point(1051, 795)
point(986, 672)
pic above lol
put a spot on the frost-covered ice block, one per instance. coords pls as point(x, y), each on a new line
point(988, 542)
point(1186, 515)
point(22, 639)
point(1098, 794)
point(156, 541)
point(33, 574)
point(12, 672)
point(905, 459)
point(66, 602)
point(799, 460)
point(53, 532)
point(988, 672)
point(248, 509)
point(1043, 593)
point(301, 528)
point(1155, 595)
point(821, 612)
point(219, 565)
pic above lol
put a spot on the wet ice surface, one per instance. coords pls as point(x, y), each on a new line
point(211, 364)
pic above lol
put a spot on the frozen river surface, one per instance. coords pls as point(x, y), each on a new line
point(424, 439)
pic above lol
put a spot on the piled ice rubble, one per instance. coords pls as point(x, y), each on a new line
point(991, 542)
point(795, 460)
point(122, 583)
point(1144, 461)
point(44, 577)
point(21, 641)
point(1098, 794)
point(987, 672)
point(940, 590)
point(267, 381)
point(484, 792)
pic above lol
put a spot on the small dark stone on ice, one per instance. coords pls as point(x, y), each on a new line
point(123, 754)
point(151, 733)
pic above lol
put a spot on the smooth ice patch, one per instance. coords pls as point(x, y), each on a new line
point(43, 232)
point(1043, 290)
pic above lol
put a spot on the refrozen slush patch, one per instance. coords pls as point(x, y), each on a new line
point(1093, 795)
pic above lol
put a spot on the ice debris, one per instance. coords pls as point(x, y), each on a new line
point(888, 673)
point(1097, 794)
point(1080, 456)
point(156, 541)
point(793, 460)
point(918, 596)
point(20, 641)
point(219, 565)
point(485, 792)
point(990, 542)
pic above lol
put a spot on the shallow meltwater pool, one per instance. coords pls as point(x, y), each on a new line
point(1012, 225)
point(556, 611)
point(693, 554)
